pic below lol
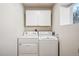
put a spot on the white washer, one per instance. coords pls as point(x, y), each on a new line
point(48, 45)
point(28, 45)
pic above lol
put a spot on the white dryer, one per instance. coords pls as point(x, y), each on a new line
point(48, 44)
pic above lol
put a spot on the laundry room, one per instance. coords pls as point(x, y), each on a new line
point(39, 29)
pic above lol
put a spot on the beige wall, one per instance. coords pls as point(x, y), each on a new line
point(61, 16)
point(68, 34)
point(69, 40)
point(11, 24)
point(55, 17)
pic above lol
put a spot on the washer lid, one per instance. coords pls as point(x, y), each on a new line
point(47, 38)
point(45, 33)
point(29, 36)
point(30, 33)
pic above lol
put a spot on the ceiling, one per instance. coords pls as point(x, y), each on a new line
point(38, 4)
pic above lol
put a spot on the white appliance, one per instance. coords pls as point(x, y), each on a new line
point(34, 44)
point(28, 44)
point(48, 44)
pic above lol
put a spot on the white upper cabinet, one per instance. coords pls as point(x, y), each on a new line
point(38, 17)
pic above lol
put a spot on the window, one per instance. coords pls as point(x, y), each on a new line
point(66, 15)
point(75, 13)
point(69, 15)
point(38, 17)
